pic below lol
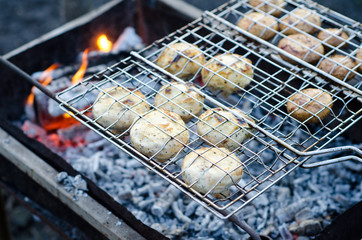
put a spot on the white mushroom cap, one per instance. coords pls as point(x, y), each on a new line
point(160, 133)
point(301, 19)
point(223, 128)
point(260, 25)
point(181, 99)
point(302, 46)
point(311, 105)
point(268, 6)
point(227, 72)
point(211, 169)
point(119, 107)
point(173, 61)
point(359, 60)
point(339, 66)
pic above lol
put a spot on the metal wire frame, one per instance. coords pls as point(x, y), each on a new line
point(232, 12)
point(135, 75)
point(279, 143)
point(269, 90)
point(264, 160)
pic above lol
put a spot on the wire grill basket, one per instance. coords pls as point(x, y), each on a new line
point(278, 143)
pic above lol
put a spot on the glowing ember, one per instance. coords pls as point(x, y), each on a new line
point(45, 79)
point(104, 44)
point(66, 115)
point(78, 76)
point(61, 121)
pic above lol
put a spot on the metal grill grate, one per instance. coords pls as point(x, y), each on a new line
point(231, 13)
point(278, 144)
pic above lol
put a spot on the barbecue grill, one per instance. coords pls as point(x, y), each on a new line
point(275, 148)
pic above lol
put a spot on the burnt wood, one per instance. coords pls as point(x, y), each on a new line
point(60, 164)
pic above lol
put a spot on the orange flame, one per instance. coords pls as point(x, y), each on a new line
point(104, 44)
point(66, 115)
point(78, 76)
point(45, 79)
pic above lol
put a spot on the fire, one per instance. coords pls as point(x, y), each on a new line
point(48, 122)
point(45, 79)
point(66, 115)
point(78, 76)
point(104, 44)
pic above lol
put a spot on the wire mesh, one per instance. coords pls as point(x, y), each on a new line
point(271, 86)
point(345, 45)
point(276, 140)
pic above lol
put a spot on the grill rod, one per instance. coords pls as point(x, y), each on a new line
point(271, 46)
point(241, 223)
point(27, 77)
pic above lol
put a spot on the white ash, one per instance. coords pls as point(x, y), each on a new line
point(284, 232)
point(77, 186)
point(298, 201)
point(303, 202)
point(129, 40)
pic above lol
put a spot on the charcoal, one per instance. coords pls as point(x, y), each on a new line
point(68, 188)
point(71, 133)
point(342, 188)
point(117, 173)
point(232, 234)
point(56, 74)
point(178, 213)
point(33, 130)
point(322, 205)
point(77, 186)
point(176, 232)
point(269, 230)
point(133, 164)
point(145, 203)
point(313, 187)
point(127, 41)
point(190, 208)
point(215, 224)
point(142, 216)
point(342, 200)
point(248, 211)
point(251, 220)
point(299, 197)
point(136, 199)
point(200, 211)
point(304, 214)
point(310, 227)
point(205, 221)
point(303, 238)
point(261, 201)
point(287, 214)
point(159, 227)
point(353, 166)
point(284, 232)
point(283, 193)
point(164, 201)
point(79, 183)
point(259, 223)
point(61, 177)
point(125, 194)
